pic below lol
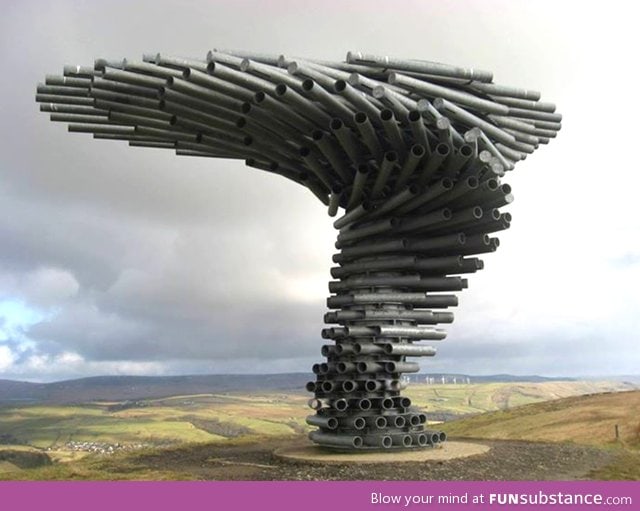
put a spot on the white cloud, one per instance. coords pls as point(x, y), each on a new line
point(6, 358)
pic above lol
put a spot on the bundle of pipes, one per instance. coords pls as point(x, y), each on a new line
point(414, 151)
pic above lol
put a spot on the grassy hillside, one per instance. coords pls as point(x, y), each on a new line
point(581, 419)
point(477, 398)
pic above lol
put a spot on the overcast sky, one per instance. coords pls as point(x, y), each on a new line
point(119, 260)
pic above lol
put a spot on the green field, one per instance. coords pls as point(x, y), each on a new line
point(90, 432)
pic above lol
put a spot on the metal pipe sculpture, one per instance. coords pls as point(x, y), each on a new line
point(414, 151)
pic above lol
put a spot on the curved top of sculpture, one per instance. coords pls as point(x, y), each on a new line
point(365, 135)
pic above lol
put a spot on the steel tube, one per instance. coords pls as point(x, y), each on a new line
point(282, 112)
point(392, 131)
point(412, 332)
point(368, 134)
point(412, 162)
point(433, 191)
point(418, 129)
point(505, 91)
point(433, 164)
point(419, 66)
point(386, 168)
point(347, 140)
point(438, 91)
point(328, 148)
point(415, 299)
point(306, 108)
point(333, 440)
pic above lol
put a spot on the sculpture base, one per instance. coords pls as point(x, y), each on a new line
point(319, 455)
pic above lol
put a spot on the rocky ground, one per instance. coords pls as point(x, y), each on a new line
point(506, 460)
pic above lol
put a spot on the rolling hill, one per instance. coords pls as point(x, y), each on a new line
point(589, 419)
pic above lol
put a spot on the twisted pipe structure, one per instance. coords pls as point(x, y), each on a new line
point(413, 151)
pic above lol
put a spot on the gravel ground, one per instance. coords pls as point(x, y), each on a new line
point(506, 460)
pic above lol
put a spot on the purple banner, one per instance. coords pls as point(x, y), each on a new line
point(319, 496)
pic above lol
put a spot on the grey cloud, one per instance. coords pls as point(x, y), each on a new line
point(205, 265)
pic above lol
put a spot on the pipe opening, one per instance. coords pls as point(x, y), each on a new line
point(442, 149)
point(211, 67)
point(349, 386)
point(357, 441)
point(360, 117)
point(391, 156)
point(407, 440)
point(386, 441)
point(466, 151)
point(308, 84)
point(371, 386)
point(364, 404)
point(327, 386)
point(332, 423)
point(386, 114)
point(281, 89)
point(399, 422)
point(381, 422)
point(387, 403)
point(259, 97)
point(336, 124)
point(359, 423)
point(317, 135)
point(414, 116)
point(341, 405)
point(417, 150)
point(340, 85)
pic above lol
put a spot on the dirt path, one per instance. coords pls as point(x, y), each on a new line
point(506, 460)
